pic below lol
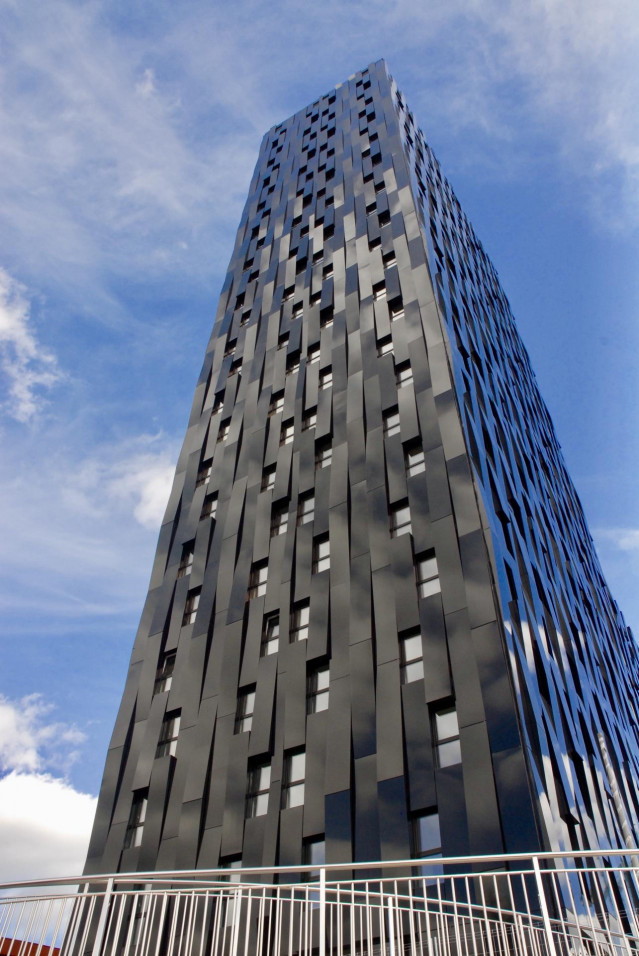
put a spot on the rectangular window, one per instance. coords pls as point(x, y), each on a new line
point(396, 311)
point(135, 826)
point(209, 507)
point(257, 790)
point(313, 355)
point(321, 555)
point(306, 509)
point(313, 854)
point(223, 433)
point(404, 374)
point(391, 423)
point(427, 841)
point(169, 731)
point(268, 479)
point(186, 561)
point(287, 434)
point(323, 456)
point(244, 712)
point(414, 460)
point(164, 673)
point(279, 521)
point(191, 606)
point(379, 291)
point(385, 346)
point(317, 689)
point(427, 575)
point(293, 783)
point(204, 473)
point(257, 581)
point(446, 737)
point(328, 271)
point(293, 365)
point(411, 661)
point(300, 621)
point(270, 635)
point(389, 259)
point(277, 405)
point(309, 420)
point(326, 378)
point(400, 520)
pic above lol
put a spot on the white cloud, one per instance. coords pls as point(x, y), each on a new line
point(28, 366)
point(144, 481)
point(44, 827)
point(44, 822)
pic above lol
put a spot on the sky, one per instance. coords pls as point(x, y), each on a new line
point(128, 136)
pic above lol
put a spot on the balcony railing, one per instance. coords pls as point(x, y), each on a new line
point(539, 905)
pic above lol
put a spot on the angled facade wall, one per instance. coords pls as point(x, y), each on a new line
point(376, 627)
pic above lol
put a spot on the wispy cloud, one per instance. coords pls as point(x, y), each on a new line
point(31, 741)
point(624, 539)
point(30, 369)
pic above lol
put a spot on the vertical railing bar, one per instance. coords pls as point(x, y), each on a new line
point(544, 908)
point(322, 911)
point(102, 922)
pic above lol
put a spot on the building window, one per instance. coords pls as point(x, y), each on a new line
point(427, 841)
point(300, 620)
point(385, 346)
point(391, 423)
point(209, 507)
point(257, 790)
point(321, 555)
point(164, 673)
point(309, 420)
point(427, 575)
point(379, 291)
point(389, 259)
point(293, 365)
point(287, 434)
point(313, 355)
point(257, 581)
point(323, 456)
point(298, 310)
point(326, 378)
point(404, 374)
point(204, 473)
point(191, 606)
point(400, 519)
point(135, 826)
point(244, 712)
point(317, 689)
point(268, 478)
point(277, 405)
point(279, 520)
point(396, 311)
point(328, 271)
point(169, 731)
point(411, 660)
point(326, 317)
point(186, 561)
point(446, 737)
point(222, 435)
point(270, 635)
point(313, 854)
point(293, 782)
point(306, 509)
point(414, 460)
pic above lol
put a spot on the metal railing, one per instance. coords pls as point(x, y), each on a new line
point(539, 905)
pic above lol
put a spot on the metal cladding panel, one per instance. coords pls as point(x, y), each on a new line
point(372, 553)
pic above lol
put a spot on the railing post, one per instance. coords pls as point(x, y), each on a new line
point(322, 912)
point(104, 916)
point(550, 942)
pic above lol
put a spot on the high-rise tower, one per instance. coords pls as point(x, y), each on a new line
point(376, 626)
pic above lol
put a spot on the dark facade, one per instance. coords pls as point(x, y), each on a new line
point(376, 626)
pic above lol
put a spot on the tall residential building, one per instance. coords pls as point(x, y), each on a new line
point(376, 626)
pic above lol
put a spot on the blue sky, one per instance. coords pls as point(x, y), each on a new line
point(128, 135)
